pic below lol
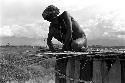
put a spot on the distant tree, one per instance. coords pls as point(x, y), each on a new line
point(8, 44)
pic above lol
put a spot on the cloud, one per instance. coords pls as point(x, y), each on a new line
point(71, 5)
point(6, 31)
point(107, 25)
point(115, 34)
point(106, 34)
point(119, 32)
point(36, 30)
point(21, 11)
point(121, 36)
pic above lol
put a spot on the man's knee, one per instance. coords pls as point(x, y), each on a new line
point(74, 45)
point(78, 45)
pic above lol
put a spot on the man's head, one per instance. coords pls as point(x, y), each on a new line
point(50, 13)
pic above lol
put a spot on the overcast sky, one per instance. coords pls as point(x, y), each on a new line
point(98, 18)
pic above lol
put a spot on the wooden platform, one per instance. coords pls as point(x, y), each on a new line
point(88, 67)
point(81, 53)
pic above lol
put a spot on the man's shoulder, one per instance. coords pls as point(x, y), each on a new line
point(51, 25)
point(64, 13)
point(52, 29)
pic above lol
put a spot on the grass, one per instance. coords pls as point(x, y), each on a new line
point(18, 64)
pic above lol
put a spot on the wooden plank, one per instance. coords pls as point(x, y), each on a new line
point(122, 71)
point(77, 70)
point(86, 69)
point(73, 70)
point(77, 53)
point(115, 73)
point(70, 70)
point(61, 68)
point(97, 77)
point(63, 53)
point(80, 55)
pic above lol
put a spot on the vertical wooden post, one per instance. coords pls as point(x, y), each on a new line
point(123, 71)
point(77, 70)
point(104, 72)
point(70, 70)
point(97, 77)
point(115, 73)
point(86, 67)
point(61, 68)
point(73, 70)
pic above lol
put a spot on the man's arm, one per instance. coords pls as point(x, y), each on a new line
point(49, 40)
point(68, 24)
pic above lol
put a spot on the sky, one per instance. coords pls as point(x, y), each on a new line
point(103, 21)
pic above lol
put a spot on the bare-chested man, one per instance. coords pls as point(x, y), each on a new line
point(65, 29)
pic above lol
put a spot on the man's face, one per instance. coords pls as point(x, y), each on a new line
point(55, 20)
point(51, 17)
point(50, 13)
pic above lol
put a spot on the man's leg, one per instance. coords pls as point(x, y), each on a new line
point(79, 44)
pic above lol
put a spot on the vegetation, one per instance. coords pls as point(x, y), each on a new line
point(20, 64)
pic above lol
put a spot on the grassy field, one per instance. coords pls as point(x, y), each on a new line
point(19, 65)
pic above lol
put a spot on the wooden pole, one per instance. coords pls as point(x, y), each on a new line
point(115, 73)
point(86, 66)
point(97, 77)
point(122, 71)
point(61, 68)
point(73, 70)
point(70, 70)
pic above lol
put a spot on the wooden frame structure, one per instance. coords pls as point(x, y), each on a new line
point(89, 67)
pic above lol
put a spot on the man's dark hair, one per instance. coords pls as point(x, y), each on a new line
point(50, 12)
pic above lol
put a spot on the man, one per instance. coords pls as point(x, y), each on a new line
point(65, 29)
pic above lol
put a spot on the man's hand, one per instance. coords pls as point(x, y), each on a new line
point(52, 50)
point(66, 48)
